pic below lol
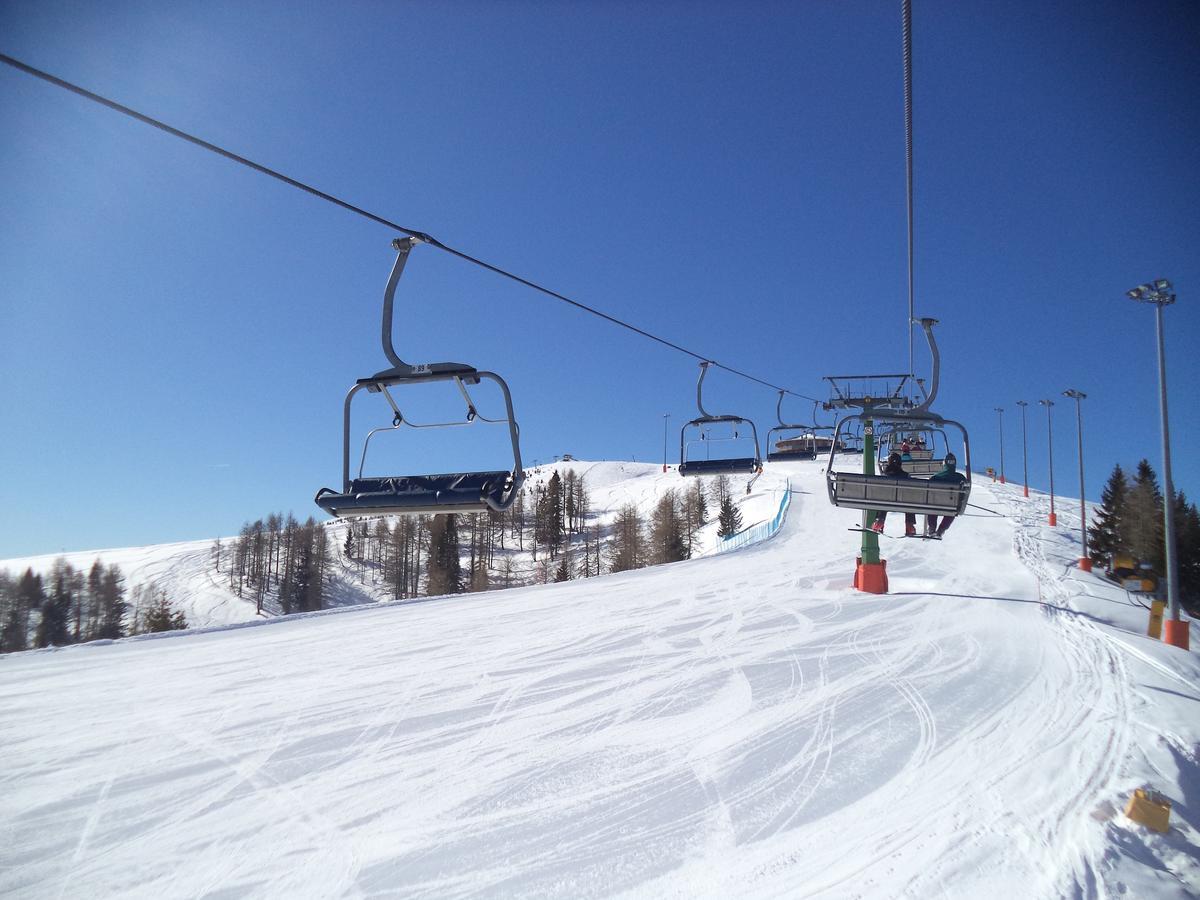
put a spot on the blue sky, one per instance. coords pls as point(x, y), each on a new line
point(179, 332)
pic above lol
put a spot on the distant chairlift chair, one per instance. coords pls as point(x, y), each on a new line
point(802, 446)
point(461, 492)
point(921, 463)
point(741, 465)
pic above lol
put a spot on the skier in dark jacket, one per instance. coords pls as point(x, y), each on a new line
point(894, 468)
point(948, 474)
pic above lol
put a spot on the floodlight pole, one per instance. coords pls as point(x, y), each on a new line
point(1053, 520)
point(1160, 294)
point(1024, 445)
point(1085, 561)
point(666, 417)
point(1000, 410)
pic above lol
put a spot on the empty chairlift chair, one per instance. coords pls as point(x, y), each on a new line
point(800, 446)
point(748, 465)
point(457, 492)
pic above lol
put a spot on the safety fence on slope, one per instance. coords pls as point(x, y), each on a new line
point(760, 531)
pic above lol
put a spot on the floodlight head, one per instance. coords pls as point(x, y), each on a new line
point(1135, 294)
point(1046, 403)
point(998, 409)
point(1146, 288)
point(1022, 403)
point(1161, 284)
point(1074, 394)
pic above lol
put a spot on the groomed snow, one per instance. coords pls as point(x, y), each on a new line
point(742, 724)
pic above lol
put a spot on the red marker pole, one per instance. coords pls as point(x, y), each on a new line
point(1024, 445)
point(1050, 446)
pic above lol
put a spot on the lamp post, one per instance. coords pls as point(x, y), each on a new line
point(666, 418)
point(1024, 445)
point(1160, 294)
point(1085, 561)
point(1000, 410)
point(1053, 520)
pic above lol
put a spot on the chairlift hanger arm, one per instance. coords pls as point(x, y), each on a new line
point(422, 371)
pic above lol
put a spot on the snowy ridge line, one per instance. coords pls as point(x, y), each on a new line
point(762, 530)
point(269, 620)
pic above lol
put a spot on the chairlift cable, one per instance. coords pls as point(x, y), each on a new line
point(350, 207)
point(906, 12)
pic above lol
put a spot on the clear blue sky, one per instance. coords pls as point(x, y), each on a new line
point(179, 332)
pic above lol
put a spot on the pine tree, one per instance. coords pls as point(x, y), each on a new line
point(564, 568)
point(480, 580)
point(444, 568)
point(14, 630)
point(53, 629)
point(1106, 534)
point(729, 519)
point(10, 615)
point(162, 616)
point(1144, 514)
point(722, 489)
point(627, 549)
point(548, 516)
point(113, 607)
point(95, 599)
point(667, 540)
point(1187, 538)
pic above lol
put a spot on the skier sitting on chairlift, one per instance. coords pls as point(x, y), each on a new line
point(894, 468)
point(949, 474)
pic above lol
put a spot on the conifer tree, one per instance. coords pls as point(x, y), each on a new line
point(1187, 536)
point(548, 516)
point(113, 607)
point(53, 629)
point(8, 600)
point(480, 580)
point(627, 549)
point(95, 598)
point(14, 630)
point(1144, 514)
point(1106, 534)
point(444, 568)
point(721, 490)
point(162, 616)
point(563, 573)
point(667, 539)
point(729, 519)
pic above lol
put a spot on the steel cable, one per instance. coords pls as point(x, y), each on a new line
point(420, 235)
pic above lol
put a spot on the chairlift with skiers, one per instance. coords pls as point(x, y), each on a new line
point(891, 409)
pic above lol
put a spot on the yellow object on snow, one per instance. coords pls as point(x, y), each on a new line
point(1150, 808)
point(1156, 617)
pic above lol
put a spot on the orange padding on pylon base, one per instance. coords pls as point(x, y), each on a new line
point(1085, 564)
point(871, 578)
point(1175, 633)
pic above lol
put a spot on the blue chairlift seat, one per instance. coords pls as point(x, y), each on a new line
point(414, 494)
point(739, 466)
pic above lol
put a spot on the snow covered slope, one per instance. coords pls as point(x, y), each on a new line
point(185, 571)
point(738, 725)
